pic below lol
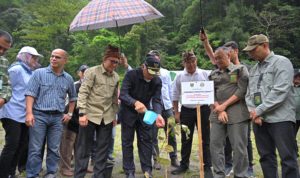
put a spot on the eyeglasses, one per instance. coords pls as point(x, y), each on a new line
point(114, 61)
point(57, 57)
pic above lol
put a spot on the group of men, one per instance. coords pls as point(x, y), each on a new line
point(264, 96)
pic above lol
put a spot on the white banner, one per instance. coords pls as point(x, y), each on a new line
point(200, 92)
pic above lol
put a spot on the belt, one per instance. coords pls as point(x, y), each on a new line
point(49, 112)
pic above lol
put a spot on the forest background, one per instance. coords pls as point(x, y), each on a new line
point(44, 24)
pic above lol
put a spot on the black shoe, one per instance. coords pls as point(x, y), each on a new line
point(130, 175)
point(179, 170)
point(208, 172)
point(174, 162)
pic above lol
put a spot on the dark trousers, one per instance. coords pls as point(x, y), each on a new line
point(15, 148)
point(280, 136)
point(84, 146)
point(171, 139)
point(144, 144)
point(228, 150)
point(188, 117)
point(297, 125)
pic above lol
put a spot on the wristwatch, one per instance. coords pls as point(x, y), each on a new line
point(81, 114)
point(70, 114)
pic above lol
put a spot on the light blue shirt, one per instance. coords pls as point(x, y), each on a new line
point(15, 109)
point(50, 90)
point(275, 87)
point(166, 90)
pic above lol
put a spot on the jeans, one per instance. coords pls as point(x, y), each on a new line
point(16, 143)
point(46, 126)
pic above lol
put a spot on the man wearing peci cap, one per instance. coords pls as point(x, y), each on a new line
point(271, 103)
point(140, 86)
point(70, 132)
point(98, 106)
point(188, 114)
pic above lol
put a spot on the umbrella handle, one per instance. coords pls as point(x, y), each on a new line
point(119, 36)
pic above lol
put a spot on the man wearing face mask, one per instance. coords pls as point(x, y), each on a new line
point(13, 113)
point(140, 86)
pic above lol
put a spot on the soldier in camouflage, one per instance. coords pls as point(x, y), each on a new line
point(5, 89)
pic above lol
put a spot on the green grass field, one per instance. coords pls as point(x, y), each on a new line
point(165, 172)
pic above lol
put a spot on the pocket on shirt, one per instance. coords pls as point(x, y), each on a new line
point(105, 89)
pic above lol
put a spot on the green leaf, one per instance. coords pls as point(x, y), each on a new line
point(164, 161)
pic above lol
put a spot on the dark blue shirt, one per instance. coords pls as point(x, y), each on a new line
point(50, 90)
point(135, 88)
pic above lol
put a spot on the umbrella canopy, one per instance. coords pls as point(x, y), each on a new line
point(113, 13)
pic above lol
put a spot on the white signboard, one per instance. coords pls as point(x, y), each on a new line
point(200, 92)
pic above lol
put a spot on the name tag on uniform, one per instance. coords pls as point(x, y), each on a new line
point(257, 98)
point(233, 77)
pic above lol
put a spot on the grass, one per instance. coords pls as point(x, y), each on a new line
point(194, 159)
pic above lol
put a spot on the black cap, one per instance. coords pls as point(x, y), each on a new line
point(82, 68)
point(152, 64)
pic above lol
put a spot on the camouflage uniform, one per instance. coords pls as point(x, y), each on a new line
point(5, 88)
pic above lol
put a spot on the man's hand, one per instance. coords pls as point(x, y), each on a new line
point(83, 121)
point(160, 122)
point(177, 117)
point(114, 122)
point(202, 35)
point(66, 118)
point(29, 120)
point(140, 107)
point(253, 115)
point(2, 102)
point(223, 117)
point(258, 121)
point(220, 108)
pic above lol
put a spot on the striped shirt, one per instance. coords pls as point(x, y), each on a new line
point(50, 90)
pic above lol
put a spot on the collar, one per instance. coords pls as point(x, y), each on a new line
point(49, 70)
point(186, 73)
point(269, 58)
point(104, 71)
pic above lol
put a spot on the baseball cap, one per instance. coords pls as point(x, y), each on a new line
point(30, 50)
point(152, 64)
point(254, 41)
point(82, 68)
point(231, 44)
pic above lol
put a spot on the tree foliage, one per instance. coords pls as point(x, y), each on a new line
point(44, 25)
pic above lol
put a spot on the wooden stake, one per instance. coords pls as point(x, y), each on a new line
point(200, 142)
